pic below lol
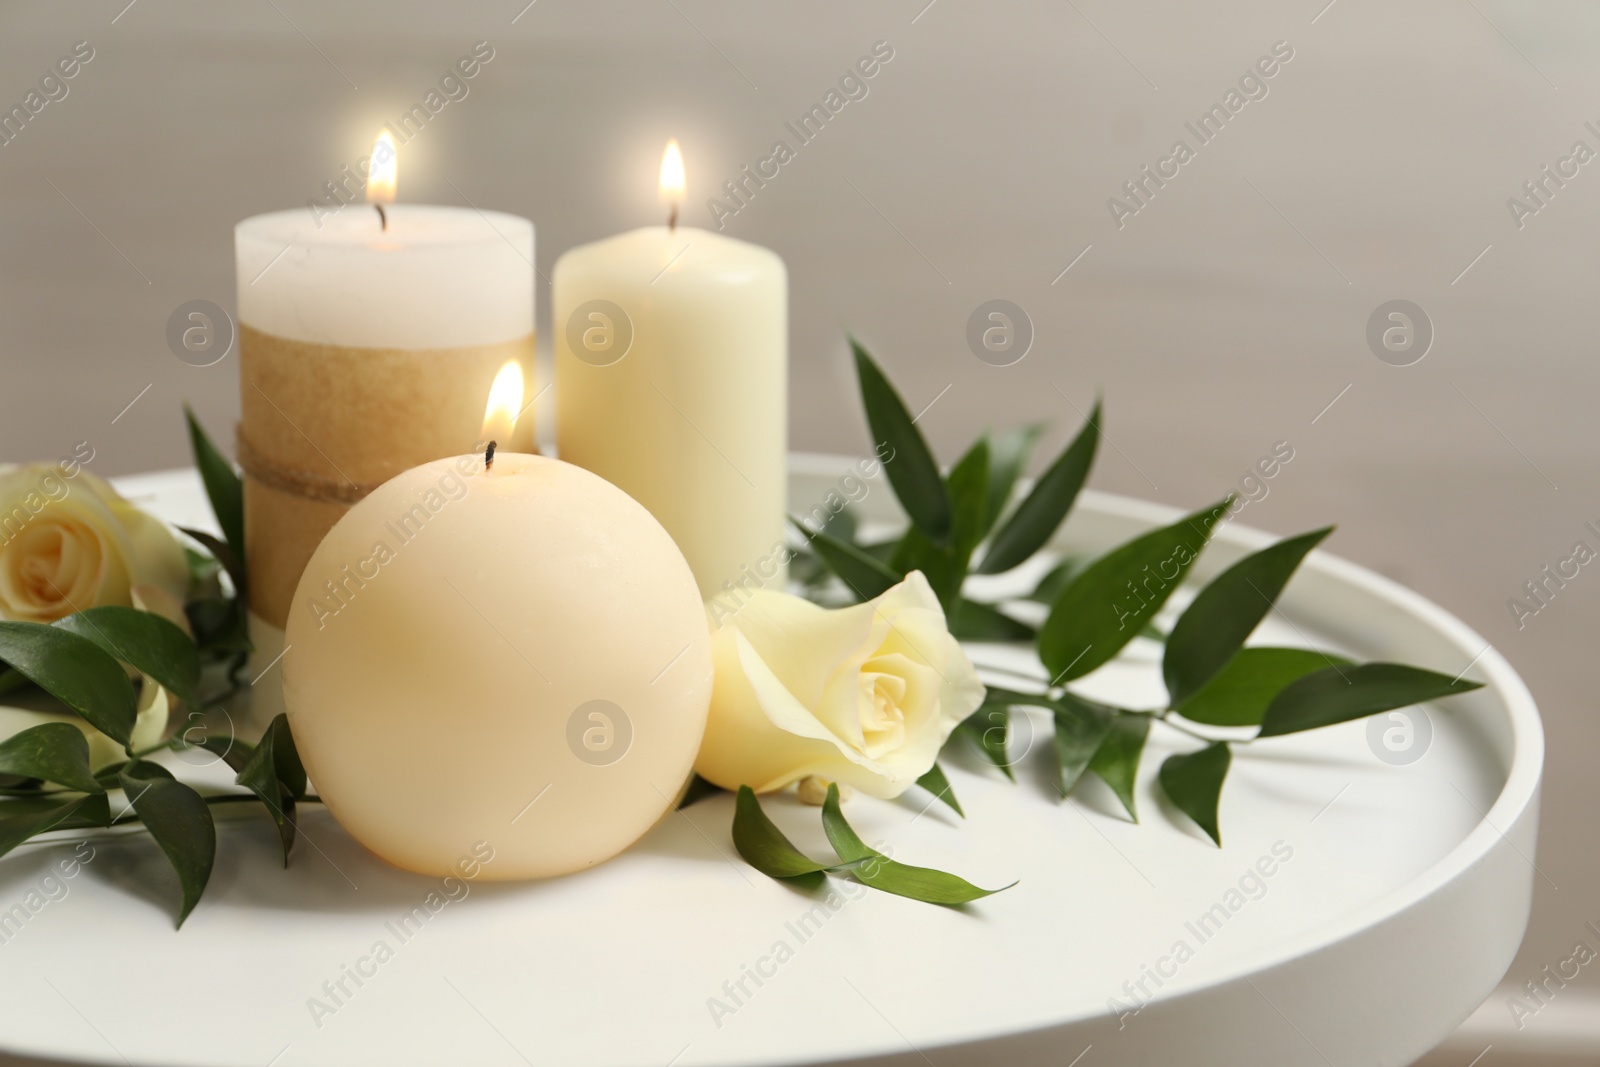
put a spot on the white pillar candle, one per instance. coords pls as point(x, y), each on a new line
point(363, 352)
point(671, 364)
point(516, 656)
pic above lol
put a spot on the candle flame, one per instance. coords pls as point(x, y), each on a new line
point(384, 175)
point(505, 404)
point(672, 179)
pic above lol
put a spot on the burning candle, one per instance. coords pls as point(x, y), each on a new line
point(671, 351)
point(368, 340)
point(515, 655)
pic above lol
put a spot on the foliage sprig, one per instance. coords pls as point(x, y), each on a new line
point(83, 661)
point(963, 523)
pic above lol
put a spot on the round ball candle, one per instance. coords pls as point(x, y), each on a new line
point(671, 371)
point(368, 340)
point(515, 656)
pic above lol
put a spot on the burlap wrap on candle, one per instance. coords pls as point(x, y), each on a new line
point(323, 425)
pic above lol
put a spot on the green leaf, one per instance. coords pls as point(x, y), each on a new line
point(1193, 782)
point(1338, 694)
point(976, 621)
point(273, 772)
point(1109, 602)
point(180, 821)
point(75, 671)
point(764, 847)
point(911, 468)
point(864, 575)
point(1008, 458)
point(1081, 729)
point(223, 487)
point(219, 625)
point(41, 817)
point(1117, 760)
point(234, 752)
point(222, 553)
point(968, 488)
point(882, 551)
point(1012, 698)
point(804, 566)
point(53, 751)
point(89, 816)
point(1227, 611)
point(842, 526)
point(807, 569)
point(945, 565)
point(873, 868)
point(144, 771)
point(936, 783)
point(989, 727)
point(1044, 508)
point(110, 776)
point(697, 791)
point(938, 563)
point(286, 757)
point(32, 803)
point(202, 566)
point(145, 641)
point(1056, 579)
point(1239, 693)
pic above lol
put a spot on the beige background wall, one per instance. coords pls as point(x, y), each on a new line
point(1222, 318)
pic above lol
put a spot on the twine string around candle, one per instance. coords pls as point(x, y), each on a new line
point(297, 481)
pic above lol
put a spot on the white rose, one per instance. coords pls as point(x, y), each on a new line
point(70, 542)
point(864, 695)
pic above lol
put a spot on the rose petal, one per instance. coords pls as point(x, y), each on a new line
point(773, 621)
point(742, 745)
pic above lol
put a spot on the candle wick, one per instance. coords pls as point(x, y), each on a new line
point(672, 220)
point(383, 217)
point(488, 457)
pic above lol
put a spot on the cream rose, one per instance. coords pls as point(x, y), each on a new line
point(70, 541)
point(864, 695)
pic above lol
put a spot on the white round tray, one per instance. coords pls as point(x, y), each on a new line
point(1396, 899)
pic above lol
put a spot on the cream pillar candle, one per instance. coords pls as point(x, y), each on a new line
point(671, 352)
point(363, 352)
